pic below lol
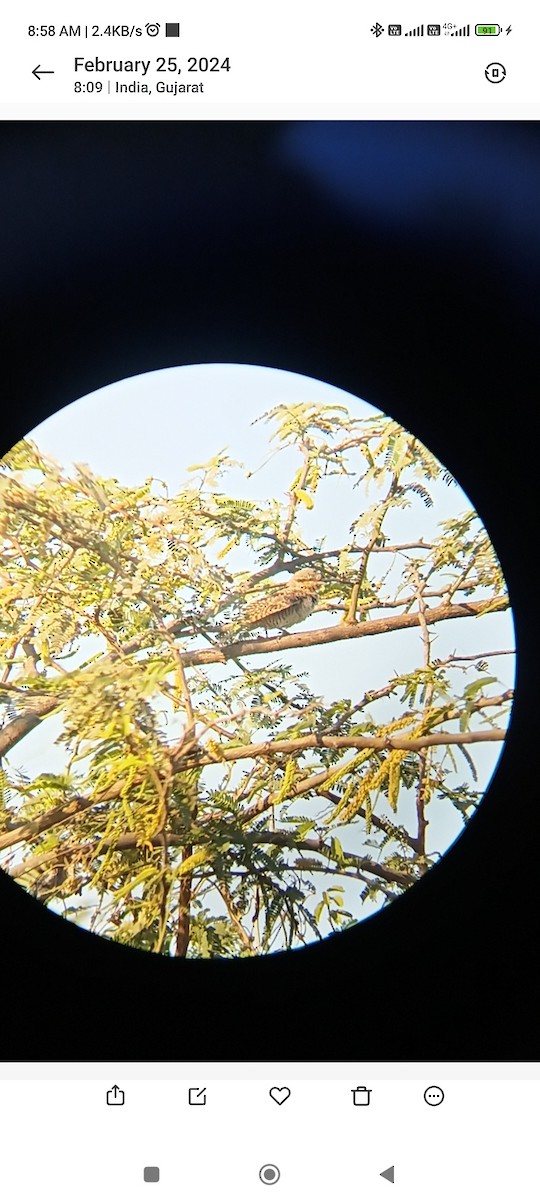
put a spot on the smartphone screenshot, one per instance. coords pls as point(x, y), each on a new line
point(269, 285)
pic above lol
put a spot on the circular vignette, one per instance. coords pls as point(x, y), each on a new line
point(258, 661)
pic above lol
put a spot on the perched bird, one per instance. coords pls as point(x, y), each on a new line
point(285, 605)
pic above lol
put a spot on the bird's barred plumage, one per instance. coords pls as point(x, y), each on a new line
point(286, 605)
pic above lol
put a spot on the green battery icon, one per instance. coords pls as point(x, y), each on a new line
point(486, 30)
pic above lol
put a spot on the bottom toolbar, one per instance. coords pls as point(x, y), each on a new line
point(205, 1133)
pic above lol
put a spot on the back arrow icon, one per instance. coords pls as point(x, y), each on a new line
point(39, 71)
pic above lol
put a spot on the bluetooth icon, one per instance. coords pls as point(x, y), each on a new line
point(377, 29)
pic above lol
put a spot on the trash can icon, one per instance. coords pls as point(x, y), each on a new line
point(361, 1095)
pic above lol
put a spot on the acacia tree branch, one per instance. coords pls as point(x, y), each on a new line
point(340, 872)
point(315, 782)
point(75, 806)
point(234, 914)
point(9, 656)
point(405, 602)
point(387, 548)
point(280, 837)
point(342, 632)
point(183, 928)
point(186, 882)
point(130, 841)
point(379, 822)
point(350, 615)
point(422, 787)
point(20, 726)
point(305, 448)
point(313, 741)
point(457, 658)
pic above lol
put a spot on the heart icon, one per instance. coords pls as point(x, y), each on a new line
point(280, 1095)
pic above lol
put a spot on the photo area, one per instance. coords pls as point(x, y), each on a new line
point(387, 262)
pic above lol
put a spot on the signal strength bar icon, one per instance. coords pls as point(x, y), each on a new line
point(465, 31)
point(418, 32)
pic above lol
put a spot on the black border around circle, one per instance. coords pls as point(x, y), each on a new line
point(284, 279)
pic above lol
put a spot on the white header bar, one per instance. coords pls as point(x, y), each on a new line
point(239, 60)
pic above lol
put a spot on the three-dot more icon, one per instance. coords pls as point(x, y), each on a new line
point(433, 1095)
